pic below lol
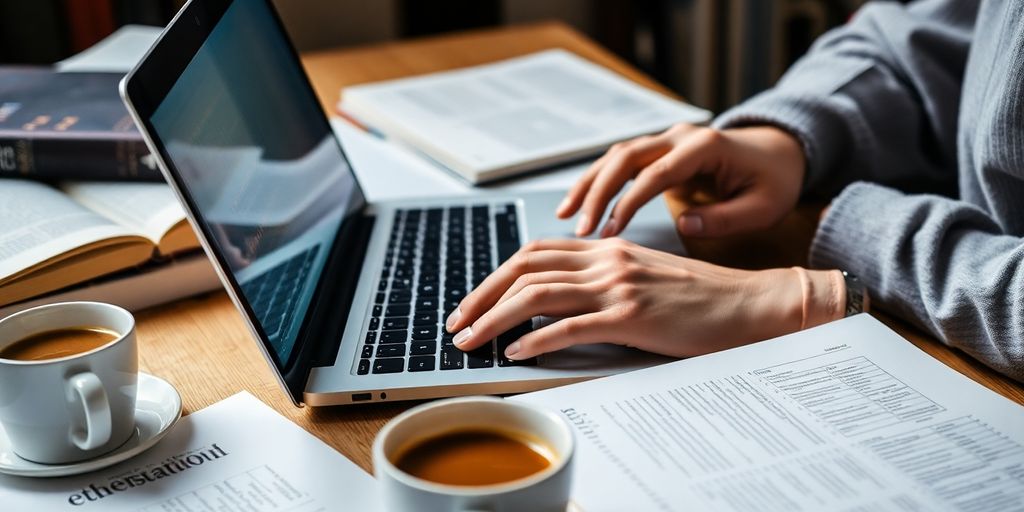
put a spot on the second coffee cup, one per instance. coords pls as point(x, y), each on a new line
point(475, 454)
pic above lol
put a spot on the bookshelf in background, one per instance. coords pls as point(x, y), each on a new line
point(45, 31)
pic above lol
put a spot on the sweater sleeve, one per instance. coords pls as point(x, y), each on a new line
point(940, 262)
point(876, 99)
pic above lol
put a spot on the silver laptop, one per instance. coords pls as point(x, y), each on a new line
point(346, 297)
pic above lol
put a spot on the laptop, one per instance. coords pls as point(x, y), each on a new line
point(346, 297)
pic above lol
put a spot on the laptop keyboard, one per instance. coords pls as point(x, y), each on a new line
point(435, 257)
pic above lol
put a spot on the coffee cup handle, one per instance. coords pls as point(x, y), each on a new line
point(89, 390)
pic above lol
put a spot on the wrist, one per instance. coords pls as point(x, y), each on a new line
point(792, 299)
point(779, 306)
point(823, 296)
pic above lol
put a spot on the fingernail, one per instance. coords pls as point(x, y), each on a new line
point(562, 206)
point(583, 226)
point(462, 336)
point(610, 228)
point(512, 350)
point(452, 318)
point(691, 224)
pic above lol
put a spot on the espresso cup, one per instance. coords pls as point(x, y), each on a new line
point(544, 491)
point(68, 409)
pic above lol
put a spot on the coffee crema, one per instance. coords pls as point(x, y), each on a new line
point(472, 458)
point(58, 343)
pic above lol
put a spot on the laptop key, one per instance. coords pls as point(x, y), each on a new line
point(424, 332)
point(397, 310)
point(392, 323)
point(482, 357)
point(371, 337)
point(426, 304)
point(374, 323)
point(364, 367)
point(396, 350)
point(424, 318)
point(419, 348)
point(421, 363)
point(452, 358)
point(394, 336)
point(367, 351)
point(391, 365)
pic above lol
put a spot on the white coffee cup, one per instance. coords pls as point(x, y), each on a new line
point(545, 491)
point(72, 408)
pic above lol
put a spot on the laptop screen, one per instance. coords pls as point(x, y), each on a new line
point(263, 170)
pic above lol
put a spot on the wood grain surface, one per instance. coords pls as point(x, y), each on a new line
point(202, 347)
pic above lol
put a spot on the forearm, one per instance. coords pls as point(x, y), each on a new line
point(939, 263)
point(876, 99)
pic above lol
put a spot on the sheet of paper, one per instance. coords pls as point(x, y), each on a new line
point(847, 416)
point(234, 456)
point(117, 52)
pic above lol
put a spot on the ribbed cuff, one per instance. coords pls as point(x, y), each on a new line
point(854, 231)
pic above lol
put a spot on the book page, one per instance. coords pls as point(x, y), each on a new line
point(846, 416)
point(236, 455)
point(148, 209)
point(118, 52)
point(38, 222)
point(530, 108)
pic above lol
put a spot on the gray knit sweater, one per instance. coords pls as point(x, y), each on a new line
point(916, 114)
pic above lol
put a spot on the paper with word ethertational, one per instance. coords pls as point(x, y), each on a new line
point(846, 416)
point(236, 455)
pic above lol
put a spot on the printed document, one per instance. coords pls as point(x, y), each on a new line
point(846, 416)
point(234, 456)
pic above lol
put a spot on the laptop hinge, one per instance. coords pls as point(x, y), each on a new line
point(319, 346)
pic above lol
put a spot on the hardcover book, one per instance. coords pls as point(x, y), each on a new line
point(57, 126)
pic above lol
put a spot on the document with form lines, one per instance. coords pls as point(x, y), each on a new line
point(846, 416)
point(236, 455)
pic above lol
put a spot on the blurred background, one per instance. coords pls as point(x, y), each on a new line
point(714, 53)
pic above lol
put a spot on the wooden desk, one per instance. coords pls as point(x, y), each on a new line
point(202, 347)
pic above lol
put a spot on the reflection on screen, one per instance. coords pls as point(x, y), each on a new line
point(260, 164)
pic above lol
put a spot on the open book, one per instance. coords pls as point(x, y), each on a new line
point(51, 238)
point(494, 121)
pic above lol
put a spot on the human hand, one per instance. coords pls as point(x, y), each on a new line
point(619, 292)
point(756, 172)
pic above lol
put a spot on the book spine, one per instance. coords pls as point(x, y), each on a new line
point(52, 159)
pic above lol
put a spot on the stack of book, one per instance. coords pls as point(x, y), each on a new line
point(84, 212)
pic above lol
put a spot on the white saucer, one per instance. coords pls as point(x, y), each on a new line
point(157, 409)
